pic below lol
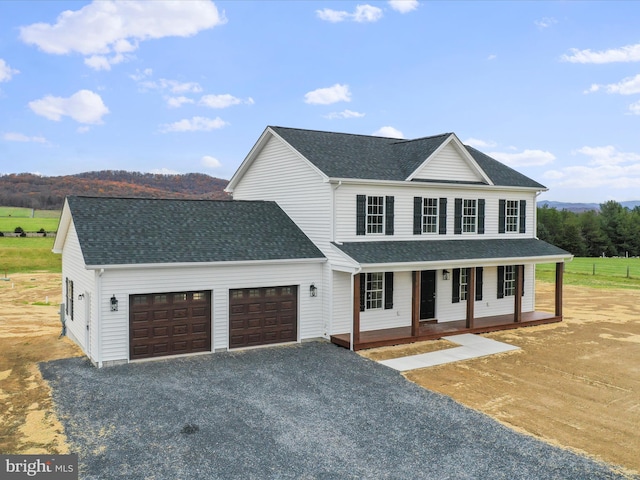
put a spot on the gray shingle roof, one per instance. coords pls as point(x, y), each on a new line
point(122, 231)
point(442, 250)
point(343, 155)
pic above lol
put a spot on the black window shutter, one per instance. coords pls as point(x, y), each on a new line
point(481, 215)
point(71, 298)
point(455, 287)
point(523, 277)
point(417, 215)
point(523, 216)
point(363, 289)
point(500, 282)
point(361, 214)
point(502, 216)
point(388, 290)
point(388, 211)
point(479, 271)
point(457, 224)
point(442, 213)
point(66, 307)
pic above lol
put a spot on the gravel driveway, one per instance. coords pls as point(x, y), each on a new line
point(304, 411)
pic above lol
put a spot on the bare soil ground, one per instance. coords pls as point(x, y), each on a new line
point(575, 384)
point(29, 330)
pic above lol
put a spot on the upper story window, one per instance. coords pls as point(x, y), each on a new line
point(512, 216)
point(469, 212)
point(469, 216)
point(374, 215)
point(429, 215)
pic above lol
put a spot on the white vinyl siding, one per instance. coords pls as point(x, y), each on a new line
point(404, 196)
point(398, 316)
point(279, 174)
point(342, 297)
point(219, 280)
point(448, 164)
point(83, 281)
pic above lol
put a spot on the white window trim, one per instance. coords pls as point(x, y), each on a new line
point(514, 227)
point(509, 280)
point(436, 215)
point(474, 216)
point(368, 224)
point(368, 292)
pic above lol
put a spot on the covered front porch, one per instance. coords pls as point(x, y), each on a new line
point(472, 311)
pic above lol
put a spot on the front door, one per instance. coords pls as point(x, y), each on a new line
point(427, 294)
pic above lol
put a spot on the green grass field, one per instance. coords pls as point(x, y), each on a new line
point(13, 217)
point(31, 254)
point(609, 272)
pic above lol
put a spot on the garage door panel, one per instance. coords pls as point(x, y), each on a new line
point(169, 324)
point(262, 316)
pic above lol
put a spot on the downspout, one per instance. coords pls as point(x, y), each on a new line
point(353, 301)
point(535, 215)
point(98, 323)
point(333, 211)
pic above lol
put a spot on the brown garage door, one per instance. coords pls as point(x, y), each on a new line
point(261, 316)
point(169, 324)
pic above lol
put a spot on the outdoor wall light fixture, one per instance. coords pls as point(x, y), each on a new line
point(313, 290)
point(114, 304)
point(445, 274)
point(81, 296)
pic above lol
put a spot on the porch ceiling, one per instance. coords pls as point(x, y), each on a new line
point(462, 252)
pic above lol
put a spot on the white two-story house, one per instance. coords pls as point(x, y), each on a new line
point(361, 240)
point(422, 237)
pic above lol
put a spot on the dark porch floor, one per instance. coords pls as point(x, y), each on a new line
point(433, 331)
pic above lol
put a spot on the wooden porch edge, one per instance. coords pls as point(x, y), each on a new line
point(430, 332)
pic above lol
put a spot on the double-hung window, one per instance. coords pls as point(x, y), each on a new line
point(511, 215)
point(374, 290)
point(509, 280)
point(469, 213)
point(430, 215)
point(69, 298)
point(464, 283)
point(375, 214)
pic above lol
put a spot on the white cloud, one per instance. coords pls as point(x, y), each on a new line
point(526, 158)
point(492, 57)
point(194, 124)
point(478, 143)
point(20, 137)
point(210, 162)
point(403, 6)
point(104, 31)
point(333, 16)
point(362, 14)
point(141, 75)
point(607, 167)
point(634, 108)
point(390, 132)
point(83, 129)
point(83, 106)
point(627, 86)
point(545, 22)
point(367, 13)
point(344, 114)
point(176, 102)
point(173, 86)
point(629, 53)
point(607, 155)
point(223, 101)
point(329, 95)
point(6, 72)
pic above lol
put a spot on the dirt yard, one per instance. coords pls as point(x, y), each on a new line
point(574, 384)
point(29, 330)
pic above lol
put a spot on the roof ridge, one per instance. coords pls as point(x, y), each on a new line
point(334, 133)
point(409, 140)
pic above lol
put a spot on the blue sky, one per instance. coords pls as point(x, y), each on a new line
point(549, 88)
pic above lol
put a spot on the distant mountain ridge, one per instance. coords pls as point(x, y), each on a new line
point(48, 193)
point(583, 207)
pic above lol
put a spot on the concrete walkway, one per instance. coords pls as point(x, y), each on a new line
point(471, 346)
